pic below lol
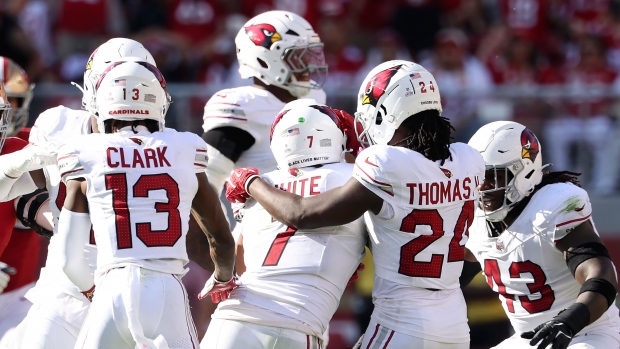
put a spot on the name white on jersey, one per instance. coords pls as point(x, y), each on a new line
point(524, 266)
point(140, 191)
point(296, 276)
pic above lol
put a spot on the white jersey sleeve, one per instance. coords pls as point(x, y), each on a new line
point(69, 163)
point(572, 209)
point(201, 158)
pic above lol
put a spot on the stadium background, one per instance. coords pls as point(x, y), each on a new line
point(550, 64)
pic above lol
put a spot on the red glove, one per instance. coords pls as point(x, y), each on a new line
point(236, 185)
point(89, 293)
point(219, 291)
point(348, 123)
point(356, 274)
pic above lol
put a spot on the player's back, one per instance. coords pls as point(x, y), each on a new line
point(253, 110)
point(140, 190)
point(418, 237)
point(523, 264)
point(295, 278)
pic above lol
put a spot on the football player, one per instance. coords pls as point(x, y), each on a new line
point(534, 238)
point(19, 243)
point(58, 307)
point(291, 286)
point(416, 191)
point(137, 182)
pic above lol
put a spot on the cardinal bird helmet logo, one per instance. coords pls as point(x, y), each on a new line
point(529, 145)
point(263, 34)
point(375, 88)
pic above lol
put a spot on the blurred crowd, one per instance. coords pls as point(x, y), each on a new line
point(474, 48)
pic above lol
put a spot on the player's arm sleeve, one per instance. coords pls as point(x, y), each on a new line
point(73, 235)
point(69, 163)
point(573, 210)
point(369, 171)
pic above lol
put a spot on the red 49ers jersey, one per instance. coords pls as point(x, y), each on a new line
point(7, 209)
point(15, 242)
point(418, 238)
point(524, 266)
point(140, 191)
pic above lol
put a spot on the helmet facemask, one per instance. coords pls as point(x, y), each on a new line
point(511, 196)
point(5, 109)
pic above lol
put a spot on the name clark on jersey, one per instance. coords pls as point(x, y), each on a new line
point(442, 192)
point(133, 158)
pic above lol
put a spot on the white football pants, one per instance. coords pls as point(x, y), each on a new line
point(380, 337)
point(135, 307)
point(231, 334)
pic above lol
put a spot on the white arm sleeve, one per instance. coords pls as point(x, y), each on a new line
point(10, 188)
point(73, 234)
point(218, 169)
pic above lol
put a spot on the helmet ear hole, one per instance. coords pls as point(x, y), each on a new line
point(529, 174)
point(262, 63)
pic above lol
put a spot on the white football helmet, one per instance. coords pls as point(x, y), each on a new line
point(131, 90)
point(392, 92)
point(113, 50)
point(306, 133)
point(276, 44)
point(5, 109)
point(511, 147)
point(18, 86)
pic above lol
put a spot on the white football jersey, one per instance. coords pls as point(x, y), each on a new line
point(418, 238)
point(252, 110)
point(140, 188)
point(524, 266)
point(57, 125)
point(295, 278)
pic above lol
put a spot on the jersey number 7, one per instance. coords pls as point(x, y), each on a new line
point(408, 265)
point(117, 182)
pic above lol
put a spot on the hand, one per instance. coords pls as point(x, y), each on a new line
point(218, 290)
point(348, 123)
point(5, 275)
point(237, 184)
point(551, 332)
point(355, 275)
point(89, 293)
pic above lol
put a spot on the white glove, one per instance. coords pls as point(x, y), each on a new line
point(33, 157)
point(5, 272)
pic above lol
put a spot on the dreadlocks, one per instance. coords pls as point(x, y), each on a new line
point(548, 178)
point(429, 135)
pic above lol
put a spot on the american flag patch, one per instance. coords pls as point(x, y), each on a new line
point(415, 76)
point(293, 131)
point(150, 98)
point(120, 82)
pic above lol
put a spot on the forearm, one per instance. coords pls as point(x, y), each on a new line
point(285, 207)
point(13, 187)
point(197, 244)
point(223, 255)
point(73, 234)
